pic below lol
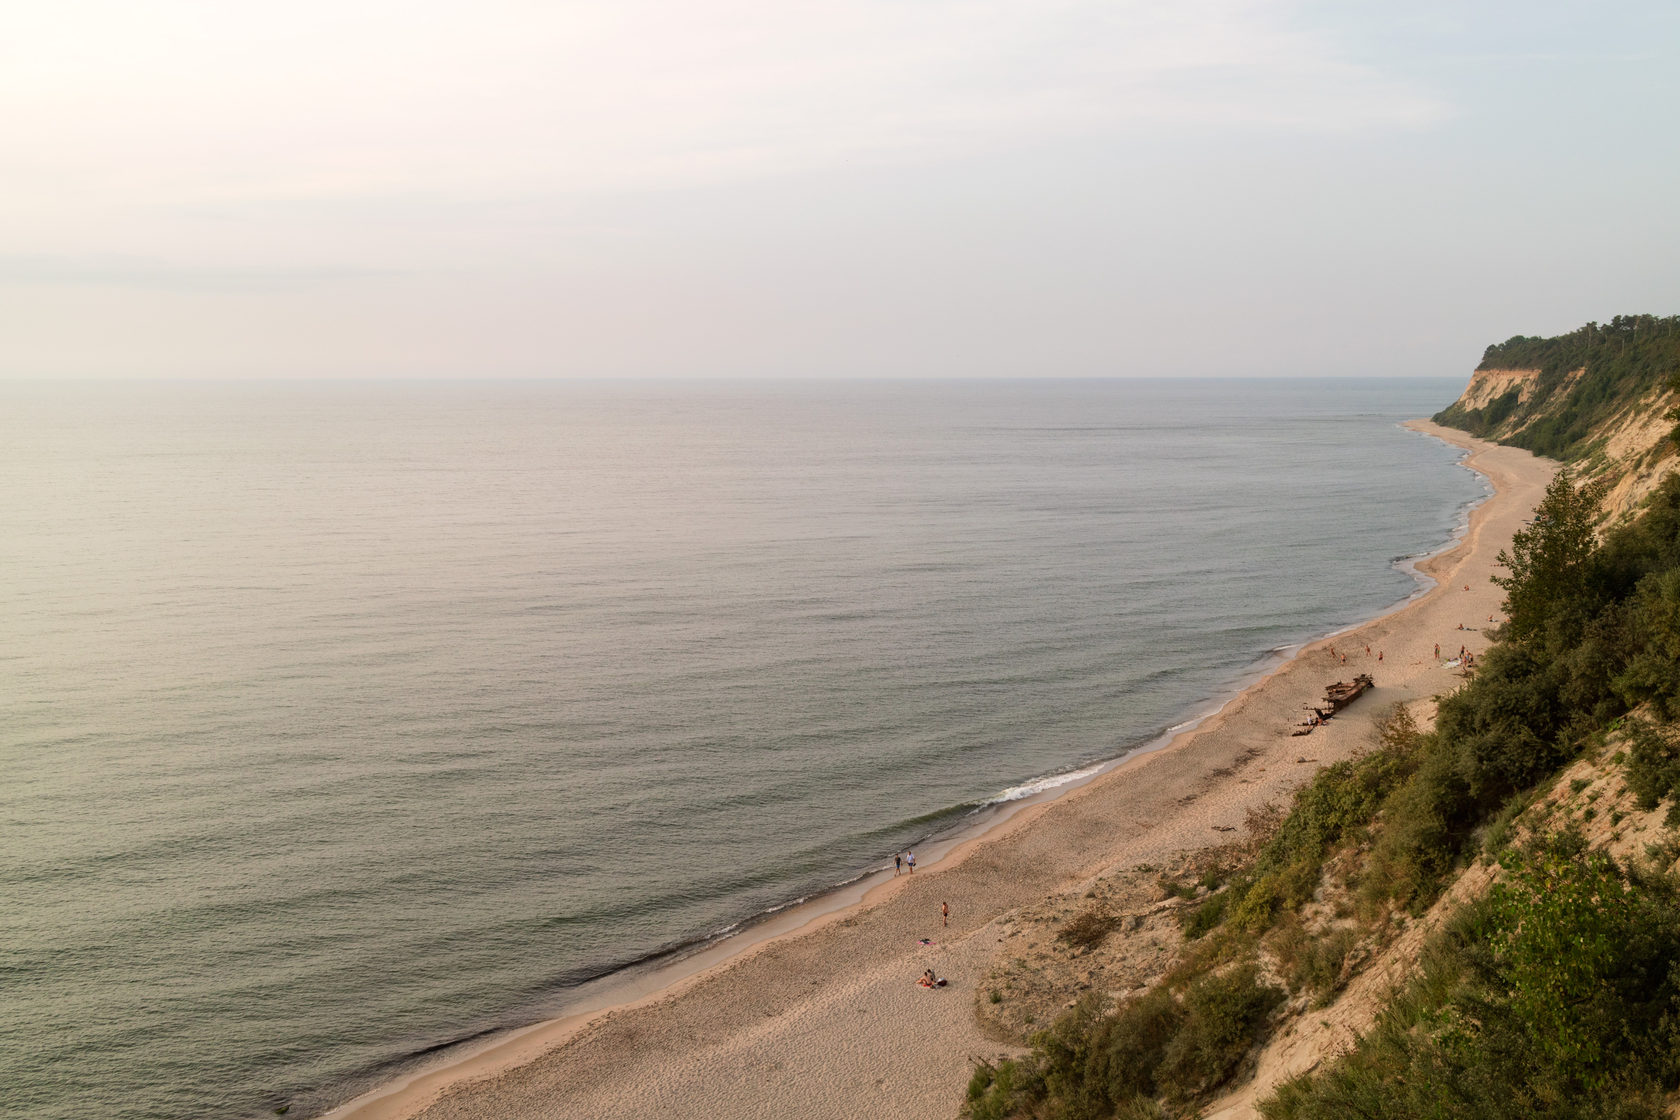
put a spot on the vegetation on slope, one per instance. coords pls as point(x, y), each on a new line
point(1623, 361)
point(1558, 997)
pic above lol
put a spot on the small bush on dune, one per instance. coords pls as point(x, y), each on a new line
point(1653, 766)
point(1223, 1016)
point(1590, 964)
point(994, 1090)
point(1175, 890)
point(1498, 833)
point(1416, 847)
point(1097, 1063)
point(1313, 963)
point(1089, 928)
point(1130, 1046)
point(1207, 916)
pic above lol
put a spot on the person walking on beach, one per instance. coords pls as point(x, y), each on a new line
point(945, 912)
point(898, 857)
point(910, 861)
point(1437, 651)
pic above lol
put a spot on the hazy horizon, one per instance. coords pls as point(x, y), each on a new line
point(737, 189)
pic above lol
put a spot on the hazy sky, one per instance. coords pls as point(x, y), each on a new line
point(798, 188)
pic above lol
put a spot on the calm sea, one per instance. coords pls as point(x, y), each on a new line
point(343, 721)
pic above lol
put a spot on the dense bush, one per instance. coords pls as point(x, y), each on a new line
point(1653, 765)
point(1223, 1015)
point(1094, 1063)
point(1130, 1045)
point(1313, 963)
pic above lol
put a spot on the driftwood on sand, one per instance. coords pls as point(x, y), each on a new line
point(1336, 697)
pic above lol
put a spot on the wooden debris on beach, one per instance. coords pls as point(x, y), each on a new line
point(1336, 696)
point(1343, 693)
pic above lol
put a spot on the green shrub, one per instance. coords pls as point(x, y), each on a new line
point(1096, 1063)
point(1587, 961)
point(1422, 822)
point(1312, 963)
point(994, 1091)
point(1175, 890)
point(1497, 835)
point(1223, 1016)
point(1130, 1046)
point(1653, 768)
point(1207, 916)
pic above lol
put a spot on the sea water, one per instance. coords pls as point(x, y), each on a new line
point(344, 721)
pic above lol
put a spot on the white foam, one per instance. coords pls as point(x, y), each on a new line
point(1039, 785)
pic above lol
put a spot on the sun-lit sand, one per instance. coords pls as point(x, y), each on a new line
point(829, 1022)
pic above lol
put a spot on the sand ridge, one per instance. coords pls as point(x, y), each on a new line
point(829, 1022)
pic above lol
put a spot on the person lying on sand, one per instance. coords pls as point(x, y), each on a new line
point(929, 980)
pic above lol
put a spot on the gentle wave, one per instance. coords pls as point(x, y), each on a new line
point(1040, 785)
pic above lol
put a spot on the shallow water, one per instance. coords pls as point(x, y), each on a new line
point(343, 721)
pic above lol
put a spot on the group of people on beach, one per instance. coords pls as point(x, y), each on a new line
point(1465, 657)
point(904, 861)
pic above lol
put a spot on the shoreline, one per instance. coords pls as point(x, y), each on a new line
point(470, 1081)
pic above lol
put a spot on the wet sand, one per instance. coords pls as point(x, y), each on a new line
point(826, 1020)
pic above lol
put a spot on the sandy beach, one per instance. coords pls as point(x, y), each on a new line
point(827, 1020)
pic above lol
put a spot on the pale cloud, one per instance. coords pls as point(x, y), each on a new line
point(817, 187)
point(165, 275)
point(131, 105)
